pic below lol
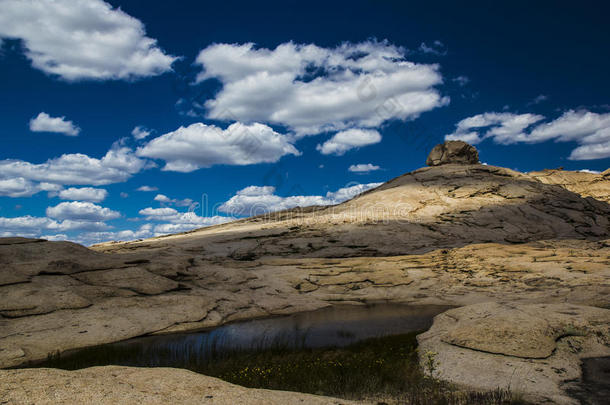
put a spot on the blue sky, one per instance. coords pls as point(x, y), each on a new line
point(220, 110)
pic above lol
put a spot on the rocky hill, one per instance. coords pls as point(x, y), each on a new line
point(456, 233)
point(584, 183)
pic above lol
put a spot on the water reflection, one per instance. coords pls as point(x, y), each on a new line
point(333, 326)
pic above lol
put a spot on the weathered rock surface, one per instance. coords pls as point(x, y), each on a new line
point(457, 152)
point(530, 348)
point(455, 234)
point(124, 385)
point(583, 183)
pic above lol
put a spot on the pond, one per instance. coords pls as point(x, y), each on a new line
point(335, 326)
point(366, 352)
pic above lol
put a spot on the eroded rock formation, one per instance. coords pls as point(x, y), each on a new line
point(532, 348)
point(135, 386)
point(454, 234)
point(453, 152)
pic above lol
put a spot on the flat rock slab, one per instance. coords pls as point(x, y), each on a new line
point(128, 385)
point(535, 349)
point(134, 278)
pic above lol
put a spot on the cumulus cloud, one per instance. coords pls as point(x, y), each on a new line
point(343, 141)
point(29, 226)
point(17, 187)
point(599, 150)
point(82, 39)
point(162, 198)
point(256, 200)
point(21, 178)
point(43, 122)
point(347, 193)
point(310, 89)
point(504, 128)
point(589, 129)
point(84, 194)
point(176, 221)
point(199, 145)
point(188, 221)
point(56, 237)
point(140, 132)
point(363, 168)
point(145, 231)
point(83, 211)
point(158, 213)
point(147, 188)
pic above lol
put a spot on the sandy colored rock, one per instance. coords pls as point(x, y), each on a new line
point(534, 349)
point(134, 278)
point(584, 183)
point(456, 152)
point(455, 234)
point(124, 385)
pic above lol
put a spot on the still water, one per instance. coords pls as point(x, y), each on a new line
point(334, 326)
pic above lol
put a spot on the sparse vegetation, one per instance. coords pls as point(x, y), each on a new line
point(383, 369)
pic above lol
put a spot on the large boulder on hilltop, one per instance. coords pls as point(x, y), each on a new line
point(457, 152)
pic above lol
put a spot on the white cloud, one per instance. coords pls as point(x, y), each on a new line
point(256, 200)
point(87, 238)
point(83, 194)
point(29, 226)
point(26, 225)
point(82, 39)
point(179, 221)
point(140, 132)
point(363, 168)
point(343, 141)
point(589, 152)
point(199, 145)
point(538, 99)
point(188, 221)
point(83, 211)
point(590, 130)
point(82, 225)
point(436, 48)
point(469, 137)
point(187, 202)
point(310, 89)
point(582, 126)
point(17, 187)
point(347, 193)
point(504, 128)
point(56, 237)
point(147, 188)
point(43, 122)
point(162, 214)
point(162, 198)
point(118, 165)
point(461, 80)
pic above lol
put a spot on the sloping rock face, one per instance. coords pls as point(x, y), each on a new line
point(431, 208)
point(530, 348)
point(582, 183)
point(135, 386)
point(456, 152)
point(455, 234)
